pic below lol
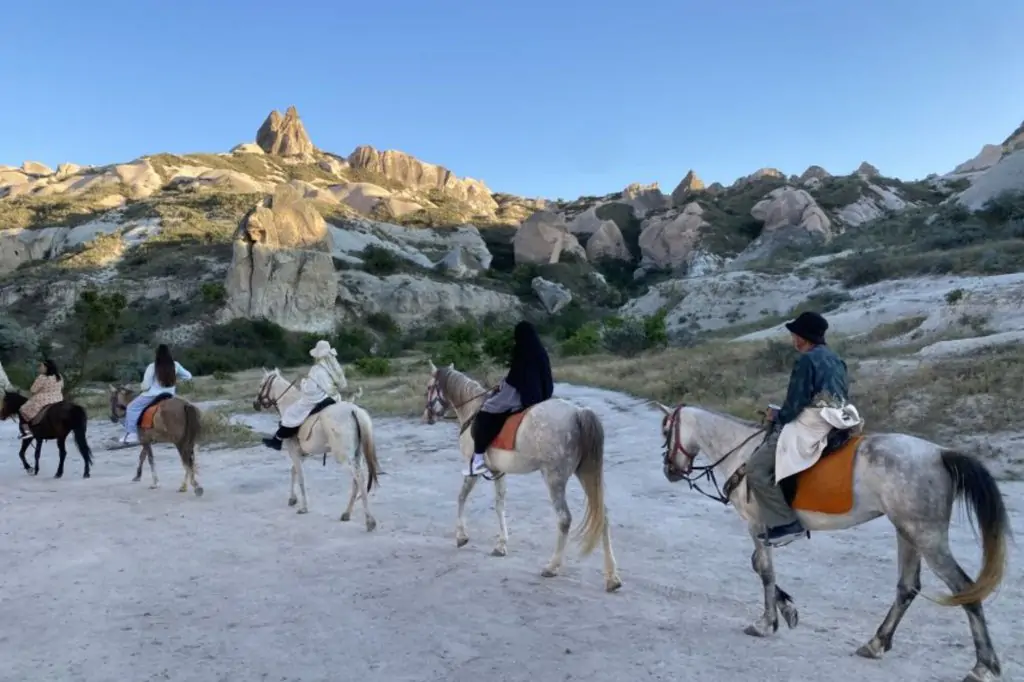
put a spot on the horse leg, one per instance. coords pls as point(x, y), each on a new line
point(357, 483)
point(147, 450)
point(138, 470)
point(292, 498)
point(556, 489)
point(468, 483)
point(62, 452)
point(775, 598)
point(21, 453)
point(347, 514)
point(500, 488)
point(612, 581)
point(183, 488)
point(197, 487)
point(907, 587)
point(293, 452)
point(941, 561)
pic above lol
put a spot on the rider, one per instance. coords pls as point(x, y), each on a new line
point(324, 382)
point(161, 377)
point(47, 389)
point(527, 383)
point(818, 373)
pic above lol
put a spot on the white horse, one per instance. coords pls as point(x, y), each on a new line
point(556, 438)
point(912, 481)
point(344, 429)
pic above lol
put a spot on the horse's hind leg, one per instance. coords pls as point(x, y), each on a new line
point(907, 587)
point(556, 489)
point(468, 483)
point(138, 469)
point(941, 560)
point(775, 598)
point(62, 452)
point(347, 514)
point(293, 452)
point(500, 488)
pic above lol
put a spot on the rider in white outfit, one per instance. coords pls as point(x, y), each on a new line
point(325, 381)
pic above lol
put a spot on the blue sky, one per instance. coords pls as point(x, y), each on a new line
point(551, 98)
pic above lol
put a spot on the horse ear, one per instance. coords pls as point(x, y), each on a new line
point(451, 365)
point(113, 388)
point(666, 410)
point(433, 368)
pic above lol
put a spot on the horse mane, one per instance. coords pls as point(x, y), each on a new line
point(728, 417)
point(459, 388)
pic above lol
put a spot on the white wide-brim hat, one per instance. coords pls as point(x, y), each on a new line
point(322, 349)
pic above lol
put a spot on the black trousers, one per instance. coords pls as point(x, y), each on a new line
point(486, 428)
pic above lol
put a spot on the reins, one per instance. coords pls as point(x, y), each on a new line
point(704, 471)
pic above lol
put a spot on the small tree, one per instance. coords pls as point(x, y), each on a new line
point(97, 320)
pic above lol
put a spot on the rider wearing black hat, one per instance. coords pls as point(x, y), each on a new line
point(817, 372)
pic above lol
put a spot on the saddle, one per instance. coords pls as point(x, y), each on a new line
point(834, 442)
point(506, 438)
point(146, 418)
point(38, 419)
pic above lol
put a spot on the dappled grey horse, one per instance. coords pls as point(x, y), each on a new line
point(556, 438)
point(912, 481)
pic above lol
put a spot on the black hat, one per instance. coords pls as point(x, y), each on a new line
point(809, 326)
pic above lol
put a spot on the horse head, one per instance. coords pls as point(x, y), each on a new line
point(266, 398)
point(677, 462)
point(437, 403)
point(120, 396)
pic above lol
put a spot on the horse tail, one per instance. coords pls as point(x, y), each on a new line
point(364, 432)
point(193, 427)
point(590, 471)
point(81, 420)
point(977, 490)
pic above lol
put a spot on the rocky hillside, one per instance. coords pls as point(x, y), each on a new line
point(280, 232)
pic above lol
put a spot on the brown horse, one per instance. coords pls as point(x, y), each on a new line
point(174, 421)
point(55, 422)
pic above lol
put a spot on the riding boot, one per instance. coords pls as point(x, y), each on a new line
point(26, 432)
point(277, 440)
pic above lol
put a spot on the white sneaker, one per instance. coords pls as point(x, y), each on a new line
point(130, 439)
point(476, 466)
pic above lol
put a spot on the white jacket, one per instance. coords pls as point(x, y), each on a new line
point(803, 440)
point(318, 385)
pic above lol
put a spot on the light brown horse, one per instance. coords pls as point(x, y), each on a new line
point(175, 421)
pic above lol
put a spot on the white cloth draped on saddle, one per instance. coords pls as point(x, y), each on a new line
point(326, 379)
point(803, 440)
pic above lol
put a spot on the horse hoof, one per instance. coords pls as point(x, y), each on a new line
point(345, 516)
point(292, 501)
point(754, 631)
point(499, 551)
point(199, 491)
point(461, 542)
point(86, 476)
point(371, 525)
point(136, 479)
point(302, 511)
point(613, 584)
point(548, 573)
point(58, 475)
point(868, 651)
point(154, 486)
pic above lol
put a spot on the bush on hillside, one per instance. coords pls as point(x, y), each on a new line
point(373, 367)
point(631, 335)
point(460, 346)
point(585, 341)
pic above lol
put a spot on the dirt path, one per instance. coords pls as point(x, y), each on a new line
point(108, 580)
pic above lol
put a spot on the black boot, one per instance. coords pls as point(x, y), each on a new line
point(283, 432)
point(273, 443)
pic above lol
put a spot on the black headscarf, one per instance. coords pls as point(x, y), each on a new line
point(530, 369)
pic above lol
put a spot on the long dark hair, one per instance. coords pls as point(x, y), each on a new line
point(164, 366)
point(51, 369)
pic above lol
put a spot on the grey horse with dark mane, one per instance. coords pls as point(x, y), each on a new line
point(911, 481)
point(556, 438)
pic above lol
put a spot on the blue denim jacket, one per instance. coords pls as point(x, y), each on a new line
point(817, 373)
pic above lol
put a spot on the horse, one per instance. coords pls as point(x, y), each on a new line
point(172, 420)
point(912, 481)
point(554, 437)
point(326, 431)
point(55, 422)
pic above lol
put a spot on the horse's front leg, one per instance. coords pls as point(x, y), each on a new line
point(775, 598)
point(296, 456)
point(21, 453)
point(468, 483)
point(501, 548)
point(138, 469)
point(62, 453)
point(147, 451)
point(292, 498)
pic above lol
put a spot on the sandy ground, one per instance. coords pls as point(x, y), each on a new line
point(104, 579)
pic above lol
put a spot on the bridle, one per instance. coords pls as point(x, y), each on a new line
point(437, 404)
point(671, 426)
point(116, 404)
point(263, 399)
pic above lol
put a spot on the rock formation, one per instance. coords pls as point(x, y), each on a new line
point(791, 214)
point(669, 241)
point(645, 198)
point(410, 172)
point(867, 171)
point(552, 295)
point(284, 135)
point(543, 238)
point(607, 243)
point(281, 267)
point(686, 187)
point(814, 173)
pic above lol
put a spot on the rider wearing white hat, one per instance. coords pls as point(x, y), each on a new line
point(321, 387)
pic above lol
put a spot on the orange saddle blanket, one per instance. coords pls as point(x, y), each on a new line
point(506, 439)
point(146, 420)
point(827, 487)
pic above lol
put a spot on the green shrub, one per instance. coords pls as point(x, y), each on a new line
point(378, 260)
point(373, 367)
point(242, 344)
point(952, 297)
point(629, 336)
point(498, 342)
point(585, 341)
point(352, 343)
point(213, 292)
point(460, 346)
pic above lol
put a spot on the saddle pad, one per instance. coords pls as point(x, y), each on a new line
point(38, 419)
point(506, 439)
point(827, 487)
point(146, 418)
